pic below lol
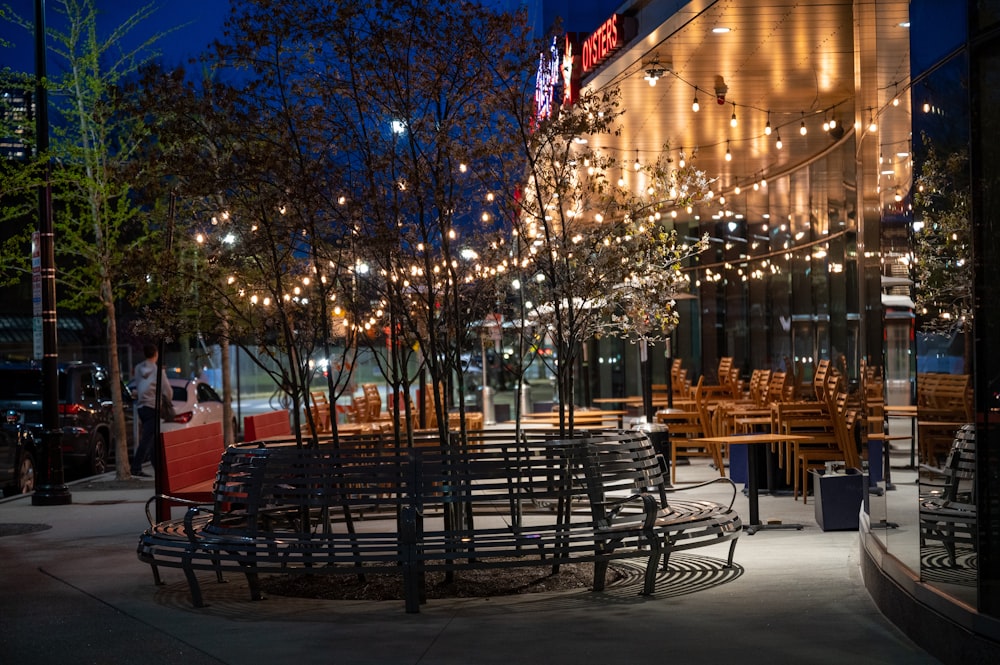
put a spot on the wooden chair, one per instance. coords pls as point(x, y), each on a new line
point(373, 402)
point(697, 426)
point(319, 421)
point(759, 381)
point(778, 387)
point(722, 373)
point(843, 420)
point(819, 380)
point(357, 412)
point(943, 406)
point(431, 399)
point(734, 385)
point(809, 419)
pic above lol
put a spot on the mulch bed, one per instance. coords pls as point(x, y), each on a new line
point(464, 584)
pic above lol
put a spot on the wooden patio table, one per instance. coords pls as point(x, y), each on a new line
point(588, 417)
point(754, 525)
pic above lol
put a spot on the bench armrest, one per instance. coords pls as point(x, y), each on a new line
point(650, 507)
point(172, 499)
point(732, 486)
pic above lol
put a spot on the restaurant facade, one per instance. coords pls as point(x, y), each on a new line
point(852, 144)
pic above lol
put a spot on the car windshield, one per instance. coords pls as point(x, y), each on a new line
point(26, 384)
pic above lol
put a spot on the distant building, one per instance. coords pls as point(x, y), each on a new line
point(17, 112)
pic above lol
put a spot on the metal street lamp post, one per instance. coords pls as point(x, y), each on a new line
point(50, 490)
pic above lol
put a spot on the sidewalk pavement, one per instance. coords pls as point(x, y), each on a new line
point(72, 591)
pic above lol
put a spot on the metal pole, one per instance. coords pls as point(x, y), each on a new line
point(670, 370)
point(51, 489)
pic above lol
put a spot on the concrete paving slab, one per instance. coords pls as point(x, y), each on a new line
point(76, 593)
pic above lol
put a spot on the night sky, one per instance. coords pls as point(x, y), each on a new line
point(199, 22)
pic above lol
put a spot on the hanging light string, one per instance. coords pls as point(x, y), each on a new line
point(773, 130)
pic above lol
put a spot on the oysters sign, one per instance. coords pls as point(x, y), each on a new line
point(613, 34)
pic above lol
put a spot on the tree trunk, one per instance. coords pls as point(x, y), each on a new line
point(119, 433)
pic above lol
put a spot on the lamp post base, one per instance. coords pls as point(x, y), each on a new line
point(52, 495)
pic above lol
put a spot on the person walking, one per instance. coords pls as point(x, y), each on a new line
point(144, 376)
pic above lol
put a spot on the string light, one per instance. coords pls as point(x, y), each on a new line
point(732, 121)
point(729, 155)
point(695, 106)
point(872, 125)
point(802, 127)
point(777, 143)
point(767, 127)
point(637, 165)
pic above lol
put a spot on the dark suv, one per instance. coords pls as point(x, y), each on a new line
point(85, 414)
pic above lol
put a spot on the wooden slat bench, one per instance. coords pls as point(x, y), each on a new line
point(188, 463)
point(283, 509)
point(266, 425)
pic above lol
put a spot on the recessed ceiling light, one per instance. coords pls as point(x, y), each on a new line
point(720, 29)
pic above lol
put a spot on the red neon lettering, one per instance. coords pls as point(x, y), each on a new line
point(602, 43)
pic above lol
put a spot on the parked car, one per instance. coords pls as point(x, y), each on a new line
point(195, 403)
point(17, 458)
point(85, 411)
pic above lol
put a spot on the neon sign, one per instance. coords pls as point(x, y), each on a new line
point(606, 40)
point(546, 79)
point(570, 72)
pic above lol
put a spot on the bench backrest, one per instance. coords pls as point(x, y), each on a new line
point(960, 465)
point(281, 479)
point(617, 466)
point(266, 425)
point(498, 468)
point(190, 456)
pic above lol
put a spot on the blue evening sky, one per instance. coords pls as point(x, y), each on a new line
point(200, 22)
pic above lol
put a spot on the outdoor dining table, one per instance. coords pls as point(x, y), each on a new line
point(754, 524)
point(636, 401)
point(586, 417)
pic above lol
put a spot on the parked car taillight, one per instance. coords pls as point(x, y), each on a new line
point(184, 418)
point(70, 409)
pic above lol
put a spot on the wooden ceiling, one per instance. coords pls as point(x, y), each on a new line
point(790, 62)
